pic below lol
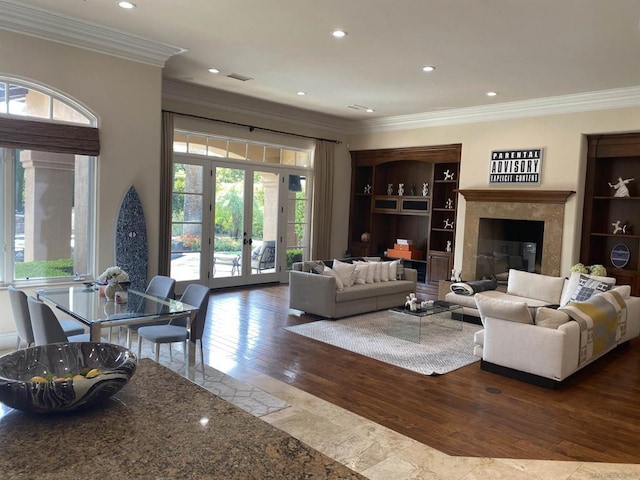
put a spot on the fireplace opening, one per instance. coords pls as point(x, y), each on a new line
point(504, 244)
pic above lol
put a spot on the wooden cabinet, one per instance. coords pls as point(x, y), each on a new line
point(425, 216)
point(610, 158)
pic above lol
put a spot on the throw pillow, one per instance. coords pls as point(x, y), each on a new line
point(377, 268)
point(573, 282)
point(587, 287)
point(384, 271)
point(329, 272)
point(393, 270)
point(550, 317)
point(346, 271)
point(535, 285)
point(362, 268)
point(316, 267)
point(399, 269)
point(502, 309)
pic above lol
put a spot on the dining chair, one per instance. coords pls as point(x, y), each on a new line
point(22, 318)
point(46, 327)
point(176, 330)
point(161, 286)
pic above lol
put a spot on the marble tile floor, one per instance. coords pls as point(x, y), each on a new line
point(382, 454)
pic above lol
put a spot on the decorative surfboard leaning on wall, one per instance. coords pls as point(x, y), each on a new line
point(131, 249)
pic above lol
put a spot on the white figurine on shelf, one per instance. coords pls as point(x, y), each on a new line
point(425, 189)
point(448, 224)
point(449, 204)
point(448, 175)
point(400, 189)
point(367, 188)
point(621, 187)
point(455, 275)
point(390, 189)
point(448, 246)
point(619, 229)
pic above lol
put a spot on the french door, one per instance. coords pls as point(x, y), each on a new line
point(226, 223)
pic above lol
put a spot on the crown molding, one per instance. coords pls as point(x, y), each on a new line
point(240, 104)
point(37, 22)
point(581, 102)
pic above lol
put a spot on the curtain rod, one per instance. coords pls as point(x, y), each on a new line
point(253, 127)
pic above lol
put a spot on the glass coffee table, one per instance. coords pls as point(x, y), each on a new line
point(408, 325)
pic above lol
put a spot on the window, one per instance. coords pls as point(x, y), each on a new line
point(47, 184)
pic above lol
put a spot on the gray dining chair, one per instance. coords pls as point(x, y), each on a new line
point(46, 328)
point(22, 318)
point(160, 286)
point(176, 330)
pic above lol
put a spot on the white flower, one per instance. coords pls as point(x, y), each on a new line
point(113, 275)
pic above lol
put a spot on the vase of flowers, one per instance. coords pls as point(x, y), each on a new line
point(113, 277)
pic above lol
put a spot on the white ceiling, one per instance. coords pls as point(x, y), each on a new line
point(524, 50)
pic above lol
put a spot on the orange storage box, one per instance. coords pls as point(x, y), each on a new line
point(404, 247)
point(407, 254)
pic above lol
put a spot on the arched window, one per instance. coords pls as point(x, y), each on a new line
point(48, 149)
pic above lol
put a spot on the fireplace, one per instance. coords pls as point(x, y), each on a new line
point(545, 208)
point(504, 244)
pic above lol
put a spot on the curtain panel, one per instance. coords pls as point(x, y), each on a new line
point(50, 137)
point(166, 189)
point(323, 166)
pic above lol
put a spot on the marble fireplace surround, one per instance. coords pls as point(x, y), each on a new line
point(542, 205)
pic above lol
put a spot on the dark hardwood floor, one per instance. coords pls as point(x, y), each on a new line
point(594, 416)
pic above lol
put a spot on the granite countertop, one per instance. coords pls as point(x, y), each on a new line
point(159, 426)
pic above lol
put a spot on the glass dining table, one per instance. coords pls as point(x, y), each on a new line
point(96, 312)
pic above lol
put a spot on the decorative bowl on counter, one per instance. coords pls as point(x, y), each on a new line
point(61, 377)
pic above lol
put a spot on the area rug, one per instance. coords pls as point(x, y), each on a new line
point(441, 350)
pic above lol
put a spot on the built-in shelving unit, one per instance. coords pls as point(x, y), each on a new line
point(419, 215)
point(609, 158)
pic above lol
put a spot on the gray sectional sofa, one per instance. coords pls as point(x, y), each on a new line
point(320, 294)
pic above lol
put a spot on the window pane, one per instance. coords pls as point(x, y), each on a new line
point(272, 155)
point(187, 207)
point(52, 197)
point(255, 153)
point(3, 97)
point(66, 113)
point(238, 150)
point(302, 159)
point(17, 100)
point(288, 157)
point(197, 144)
point(217, 147)
point(180, 142)
point(187, 178)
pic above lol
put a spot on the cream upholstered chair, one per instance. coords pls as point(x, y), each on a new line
point(46, 328)
point(176, 330)
point(22, 318)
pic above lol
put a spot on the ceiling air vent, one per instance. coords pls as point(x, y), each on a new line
point(237, 76)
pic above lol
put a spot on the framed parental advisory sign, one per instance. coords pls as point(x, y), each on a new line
point(516, 166)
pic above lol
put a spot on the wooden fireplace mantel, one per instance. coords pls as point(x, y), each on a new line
point(516, 196)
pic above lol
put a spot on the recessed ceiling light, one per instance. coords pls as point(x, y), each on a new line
point(301, 93)
point(339, 33)
point(428, 68)
point(370, 110)
point(492, 94)
point(214, 70)
point(127, 5)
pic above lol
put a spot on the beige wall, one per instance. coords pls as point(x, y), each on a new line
point(126, 97)
point(563, 167)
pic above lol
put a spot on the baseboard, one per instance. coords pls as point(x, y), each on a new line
point(519, 375)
